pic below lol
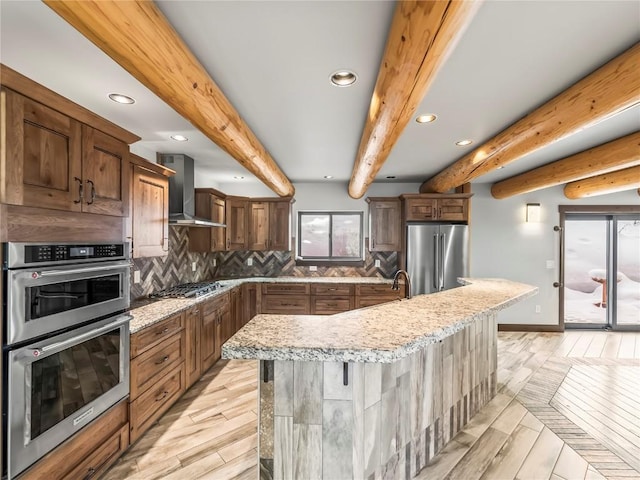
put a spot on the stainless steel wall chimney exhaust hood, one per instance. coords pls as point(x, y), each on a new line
point(182, 193)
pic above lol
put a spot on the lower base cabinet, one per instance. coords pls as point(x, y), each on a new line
point(193, 334)
point(90, 452)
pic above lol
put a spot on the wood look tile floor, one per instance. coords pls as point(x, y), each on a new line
point(568, 408)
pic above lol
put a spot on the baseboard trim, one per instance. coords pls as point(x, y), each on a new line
point(507, 327)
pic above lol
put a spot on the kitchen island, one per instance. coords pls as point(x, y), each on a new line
point(376, 391)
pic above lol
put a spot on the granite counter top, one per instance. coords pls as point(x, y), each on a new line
point(379, 334)
point(147, 312)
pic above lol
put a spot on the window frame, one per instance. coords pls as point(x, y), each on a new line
point(330, 260)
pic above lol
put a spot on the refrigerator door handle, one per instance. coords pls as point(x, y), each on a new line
point(436, 264)
point(442, 247)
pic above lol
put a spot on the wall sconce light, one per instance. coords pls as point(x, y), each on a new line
point(533, 212)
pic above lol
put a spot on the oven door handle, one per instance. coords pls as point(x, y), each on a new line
point(36, 352)
point(53, 273)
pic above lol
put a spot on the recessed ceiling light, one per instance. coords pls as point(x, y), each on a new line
point(328, 176)
point(179, 138)
point(464, 143)
point(500, 167)
point(238, 177)
point(426, 118)
point(391, 177)
point(343, 78)
point(119, 98)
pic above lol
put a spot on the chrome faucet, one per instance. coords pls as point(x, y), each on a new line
point(407, 285)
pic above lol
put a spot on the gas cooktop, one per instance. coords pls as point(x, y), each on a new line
point(186, 290)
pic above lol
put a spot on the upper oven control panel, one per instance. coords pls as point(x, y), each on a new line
point(19, 255)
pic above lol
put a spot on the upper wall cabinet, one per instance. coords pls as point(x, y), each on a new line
point(237, 221)
point(59, 155)
point(149, 214)
point(427, 207)
point(210, 204)
point(384, 224)
point(269, 224)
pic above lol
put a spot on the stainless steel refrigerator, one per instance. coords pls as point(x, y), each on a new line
point(437, 254)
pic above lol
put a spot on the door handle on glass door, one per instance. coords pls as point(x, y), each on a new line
point(442, 245)
point(436, 266)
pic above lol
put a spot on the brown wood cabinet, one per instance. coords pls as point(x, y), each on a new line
point(269, 224)
point(148, 224)
point(429, 207)
point(385, 224)
point(251, 301)
point(158, 375)
point(193, 332)
point(237, 221)
point(54, 161)
point(216, 329)
point(90, 452)
point(368, 295)
point(286, 298)
point(236, 307)
point(210, 204)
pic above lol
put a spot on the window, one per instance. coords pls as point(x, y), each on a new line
point(330, 236)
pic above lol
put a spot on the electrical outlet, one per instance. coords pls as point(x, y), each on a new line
point(249, 261)
point(538, 309)
point(551, 264)
point(376, 264)
point(313, 268)
point(215, 262)
point(193, 266)
point(136, 276)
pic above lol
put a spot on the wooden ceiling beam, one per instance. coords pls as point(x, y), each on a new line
point(609, 90)
point(623, 152)
point(618, 181)
point(140, 39)
point(422, 35)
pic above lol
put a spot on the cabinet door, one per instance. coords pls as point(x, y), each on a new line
point(105, 169)
point(200, 239)
point(43, 156)
point(237, 223)
point(421, 209)
point(218, 216)
point(259, 226)
point(384, 226)
point(208, 341)
point(193, 335)
point(250, 303)
point(453, 209)
point(227, 328)
point(236, 310)
point(150, 212)
point(279, 225)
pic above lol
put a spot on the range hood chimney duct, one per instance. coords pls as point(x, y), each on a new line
point(182, 192)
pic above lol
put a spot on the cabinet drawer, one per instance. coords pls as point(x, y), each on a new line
point(383, 289)
point(325, 305)
point(286, 304)
point(362, 302)
point(331, 289)
point(149, 406)
point(149, 366)
point(420, 209)
point(150, 336)
point(103, 457)
point(219, 303)
point(285, 288)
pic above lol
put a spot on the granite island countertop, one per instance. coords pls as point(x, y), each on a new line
point(379, 334)
point(147, 312)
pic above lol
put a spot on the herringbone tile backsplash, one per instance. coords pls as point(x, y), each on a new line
point(158, 273)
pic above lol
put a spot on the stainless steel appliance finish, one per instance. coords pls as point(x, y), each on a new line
point(183, 290)
point(48, 290)
point(182, 194)
point(58, 385)
point(437, 254)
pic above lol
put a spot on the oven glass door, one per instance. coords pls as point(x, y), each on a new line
point(42, 302)
point(58, 386)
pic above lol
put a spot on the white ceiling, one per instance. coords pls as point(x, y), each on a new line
point(273, 59)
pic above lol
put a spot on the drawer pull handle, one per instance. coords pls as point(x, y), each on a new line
point(164, 330)
point(164, 395)
point(90, 473)
point(80, 190)
point(332, 289)
point(164, 359)
point(196, 311)
point(332, 304)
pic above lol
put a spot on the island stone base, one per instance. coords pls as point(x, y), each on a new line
point(388, 421)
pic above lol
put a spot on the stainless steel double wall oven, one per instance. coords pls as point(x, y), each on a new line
point(66, 343)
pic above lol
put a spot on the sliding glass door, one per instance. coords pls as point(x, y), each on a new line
point(601, 284)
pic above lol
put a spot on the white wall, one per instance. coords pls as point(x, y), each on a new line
point(322, 195)
point(503, 245)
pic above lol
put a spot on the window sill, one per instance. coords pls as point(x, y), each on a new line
point(329, 263)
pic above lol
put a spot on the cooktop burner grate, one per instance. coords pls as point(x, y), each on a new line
point(186, 290)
